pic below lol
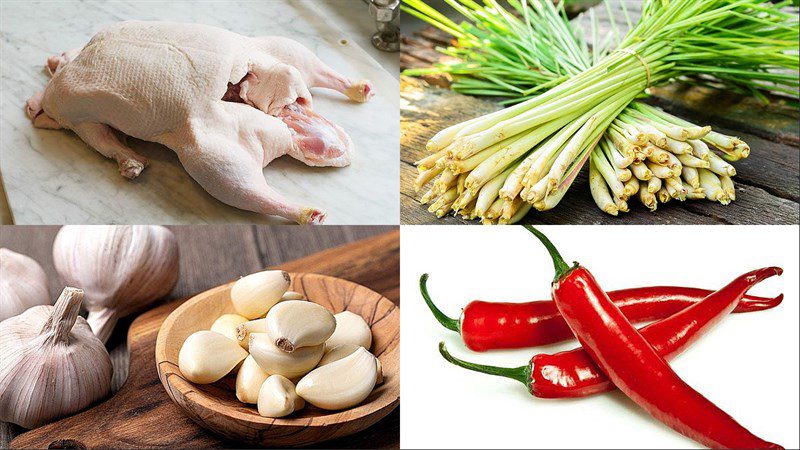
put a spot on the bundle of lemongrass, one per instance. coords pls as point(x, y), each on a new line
point(498, 166)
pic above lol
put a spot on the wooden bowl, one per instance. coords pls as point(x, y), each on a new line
point(215, 407)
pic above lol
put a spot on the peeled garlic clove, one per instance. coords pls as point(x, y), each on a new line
point(23, 284)
point(227, 325)
point(295, 324)
point(253, 326)
point(340, 384)
point(255, 294)
point(276, 361)
point(249, 380)
point(344, 350)
point(292, 295)
point(122, 268)
point(350, 329)
point(52, 365)
point(277, 398)
point(207, 356)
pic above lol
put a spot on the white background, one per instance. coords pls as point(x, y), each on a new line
point(747, 365)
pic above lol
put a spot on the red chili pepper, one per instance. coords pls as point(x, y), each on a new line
point(502, 325)
point(573, 373)
point(633, 365)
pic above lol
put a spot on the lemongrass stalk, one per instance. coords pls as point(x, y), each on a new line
point(653, 134)
point(694, 193)
point(679, 147)
point(427, 197)
point(445, 181)
point(727, 185)
point(691, 176)
point(659, 171)
point(675, 188)
point(653, 185)
point(424, 177)
point(489, 192)
point(464, 198)
point(510, 207)
point(599, 190)
point(692, 161)
point(648, 199)
point(641, 171)
point(603, 167)
point(626, 147)
point(460, 183)
point(719, 166)
point(614, 155)
point(430, 160)
point(495, 210)
point(442, 204)
point(663, 195)
point(659, 156)
point(711, 186)
point(671, 131)
point(465, 165)
point(521, 212)
point(699, 148)
point(694, 131)
point(721, 141)
point(632, 186)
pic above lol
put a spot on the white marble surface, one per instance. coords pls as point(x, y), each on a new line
point(52, 177)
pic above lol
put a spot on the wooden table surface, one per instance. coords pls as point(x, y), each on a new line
point(210, 256)
point(767, 183)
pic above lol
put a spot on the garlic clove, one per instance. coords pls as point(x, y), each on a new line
point(295, 324)
point(292, 295)
point(350, 329)
point(52, 364)
point(207, 356)
point(23, 284)
point(255, 294)
point(276, 361)
point(253, 326)
point(340, 384)
point(227, 325)
point(344, 350)
point(277, 398)
point(122, 268)
point(249, 380)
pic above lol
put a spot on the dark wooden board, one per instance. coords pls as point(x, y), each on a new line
point(141, 414)
point(768, 182)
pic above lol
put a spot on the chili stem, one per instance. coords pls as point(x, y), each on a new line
point(560, 266)
point(447, 322)
point(521, 374)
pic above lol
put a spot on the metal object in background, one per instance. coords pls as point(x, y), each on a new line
point(385, 13)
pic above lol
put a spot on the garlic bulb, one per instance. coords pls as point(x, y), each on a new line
point(249, 380)
point(23, 284)
point(350, 329)
point(292, 295)
point(121, 268)
point(340, 384)
point(52, 363)
point(253, 326)
point(227, 324)
point(252, 296)
point(276, 361)
point(341, 351)
point(207, 356)
point(277, 398)
point(295, 324)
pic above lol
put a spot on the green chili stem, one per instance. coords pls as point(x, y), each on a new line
point(521, 374)
point(447, 322)
point(560, 266)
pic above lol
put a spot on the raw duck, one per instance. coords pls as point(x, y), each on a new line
point(226, 104)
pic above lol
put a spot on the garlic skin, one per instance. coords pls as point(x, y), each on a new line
point(344, 350)
point(207, 356)
point(252, 296)
point(277, 362)
point(249, 380)
point(227, 324)
point(295, 324)
point(277, 398)
point(253, 326)
point(340, 384)
point(121, 268)
point(351, 328)
point(23, 284)
point(52, 363)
